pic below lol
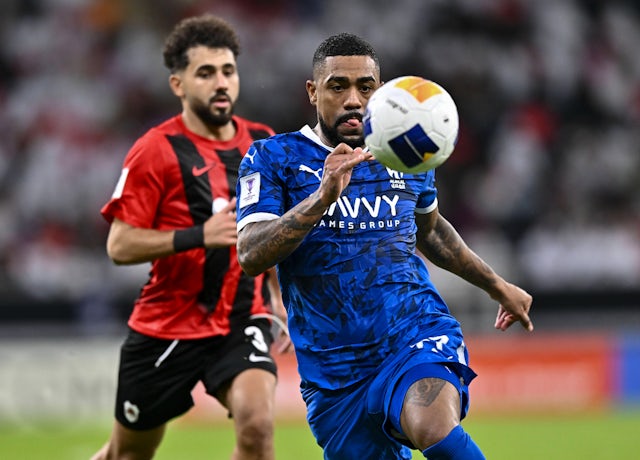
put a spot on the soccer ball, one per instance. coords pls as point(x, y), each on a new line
point(411, 124)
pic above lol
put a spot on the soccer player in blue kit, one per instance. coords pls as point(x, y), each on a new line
point(382, 361)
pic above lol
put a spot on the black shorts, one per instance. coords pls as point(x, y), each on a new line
point(156, 376)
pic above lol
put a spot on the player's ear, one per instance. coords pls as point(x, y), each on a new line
point(175, 82)
point(312, 92)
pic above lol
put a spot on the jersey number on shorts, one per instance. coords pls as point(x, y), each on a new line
point(257, 338)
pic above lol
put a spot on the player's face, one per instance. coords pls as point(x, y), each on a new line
point(340, 91)
point(210, 85)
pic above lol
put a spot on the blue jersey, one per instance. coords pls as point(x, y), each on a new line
point(355, 289)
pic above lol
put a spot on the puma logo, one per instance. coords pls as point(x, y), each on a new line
point(316, 172)
point(251, 157)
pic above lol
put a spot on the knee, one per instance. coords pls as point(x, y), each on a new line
point(431, 434)
point(255, 432)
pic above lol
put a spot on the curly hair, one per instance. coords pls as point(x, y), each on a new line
point(205, 30)
point(343, 44)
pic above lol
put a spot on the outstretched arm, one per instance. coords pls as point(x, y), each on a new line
point(442, 245)
point(264, 244)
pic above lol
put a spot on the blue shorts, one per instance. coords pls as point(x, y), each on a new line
point(357, 421)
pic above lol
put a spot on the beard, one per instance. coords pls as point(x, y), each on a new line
point(214, 118)
point(334, 137)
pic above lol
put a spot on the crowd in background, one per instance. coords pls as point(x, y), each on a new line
point(544, 182)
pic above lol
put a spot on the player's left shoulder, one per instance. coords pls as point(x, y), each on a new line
point(256, 129)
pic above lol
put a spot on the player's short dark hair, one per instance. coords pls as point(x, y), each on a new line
point(343, 44)
point(205, 30)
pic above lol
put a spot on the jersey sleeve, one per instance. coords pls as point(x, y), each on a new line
point(260, 188)
point(428, 197)
point(139, 188)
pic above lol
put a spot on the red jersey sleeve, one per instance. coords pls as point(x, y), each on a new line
point(140, 186)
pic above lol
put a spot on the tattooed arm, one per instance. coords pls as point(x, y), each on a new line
point(442, 245)
point(263, 244)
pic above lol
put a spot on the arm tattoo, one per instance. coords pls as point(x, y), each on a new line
point(446, 248)
point(424, 392)
point(267, 243)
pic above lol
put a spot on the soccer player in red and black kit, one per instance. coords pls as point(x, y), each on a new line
point(199, 318)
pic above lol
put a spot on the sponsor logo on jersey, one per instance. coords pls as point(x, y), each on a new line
point(397, 179)
point(353, 207)
point(374, 213)
point(378, 213)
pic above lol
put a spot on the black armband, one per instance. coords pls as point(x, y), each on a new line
point(188, 238)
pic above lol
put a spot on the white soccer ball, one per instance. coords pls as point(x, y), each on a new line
point(411, 124)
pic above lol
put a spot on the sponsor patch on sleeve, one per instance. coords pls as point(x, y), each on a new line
point(249, 189)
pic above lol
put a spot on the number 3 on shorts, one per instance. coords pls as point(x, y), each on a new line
point(257, 338)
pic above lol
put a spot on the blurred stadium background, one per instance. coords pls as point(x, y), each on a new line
point(544, 183)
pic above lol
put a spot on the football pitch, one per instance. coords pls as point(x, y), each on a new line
point(566, 437)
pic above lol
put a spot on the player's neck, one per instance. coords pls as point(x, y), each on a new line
point(212, 132)
point(323, 138)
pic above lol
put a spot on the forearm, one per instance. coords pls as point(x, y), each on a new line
point(263, 244)
point(275, 295)
point(128, 245)
point(445, 248)
point(140, 245)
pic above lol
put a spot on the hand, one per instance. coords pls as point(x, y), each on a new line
point(220, 230)
point(337, 171)
point(515, 304)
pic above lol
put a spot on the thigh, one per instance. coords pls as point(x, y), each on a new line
point(344, 428)
point(250, 397)
point(155, 380)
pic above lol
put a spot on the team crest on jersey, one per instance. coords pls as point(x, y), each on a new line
point(249, 189)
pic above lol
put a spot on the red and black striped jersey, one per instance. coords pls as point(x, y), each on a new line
point(171, 179)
